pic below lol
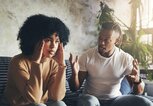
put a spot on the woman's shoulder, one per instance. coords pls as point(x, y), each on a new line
point(18, 59)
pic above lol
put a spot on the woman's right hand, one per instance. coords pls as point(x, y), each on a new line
point(75, 64)
point(38, 51)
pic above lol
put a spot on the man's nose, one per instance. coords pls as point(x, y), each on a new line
point(102, 42)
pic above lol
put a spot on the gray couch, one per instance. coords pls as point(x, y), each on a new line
point(70, 98)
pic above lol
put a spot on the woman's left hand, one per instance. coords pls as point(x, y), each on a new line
point(59, 55)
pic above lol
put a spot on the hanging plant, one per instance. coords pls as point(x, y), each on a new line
point(105, 14)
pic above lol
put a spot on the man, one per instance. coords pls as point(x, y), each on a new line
point(103, 68)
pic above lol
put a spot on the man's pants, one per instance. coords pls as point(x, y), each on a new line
point(125, 100)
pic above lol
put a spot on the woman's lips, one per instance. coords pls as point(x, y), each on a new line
point(51, 52)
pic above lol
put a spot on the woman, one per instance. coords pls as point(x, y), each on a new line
point(36, 77)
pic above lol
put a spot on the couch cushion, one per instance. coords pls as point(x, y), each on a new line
point(4, 61)
point(71, 97)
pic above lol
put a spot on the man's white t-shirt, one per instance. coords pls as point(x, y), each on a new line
point(105, 74)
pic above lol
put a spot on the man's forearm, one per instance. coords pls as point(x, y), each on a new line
point(74, 82)
point(138, 88)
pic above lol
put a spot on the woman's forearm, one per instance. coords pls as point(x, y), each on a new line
point(58, 89)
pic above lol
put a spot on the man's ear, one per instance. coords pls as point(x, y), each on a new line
point(118, 41)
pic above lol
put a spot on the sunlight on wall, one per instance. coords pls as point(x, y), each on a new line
point(146, 19)
point(146, 14)
point(147, 39)
point(79, 16)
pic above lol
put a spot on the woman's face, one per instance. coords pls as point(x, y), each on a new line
point(51, 45)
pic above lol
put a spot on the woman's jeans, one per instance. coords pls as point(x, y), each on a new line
point(125, 100)
point(57, 103)
point(50, 103)
point(4, 102)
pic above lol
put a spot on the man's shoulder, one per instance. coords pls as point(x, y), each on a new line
point(88, 53)
point(122, 52)
point(90, 50)
point(123, 55)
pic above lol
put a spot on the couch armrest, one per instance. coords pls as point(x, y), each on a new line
point(4, 62)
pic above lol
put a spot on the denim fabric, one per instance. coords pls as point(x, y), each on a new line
point(125, 100)
point(50, 103)
point(88, 100)
point(125, 87)
point(55, 103)
point(40, 104)
point(4, 102)
point(131, 100)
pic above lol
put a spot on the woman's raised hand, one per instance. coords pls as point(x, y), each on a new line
point(38, 51)
point(59, 56)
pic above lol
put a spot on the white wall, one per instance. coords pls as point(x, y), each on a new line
point(78, 15)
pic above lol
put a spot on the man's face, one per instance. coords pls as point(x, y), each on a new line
point(106, 42)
